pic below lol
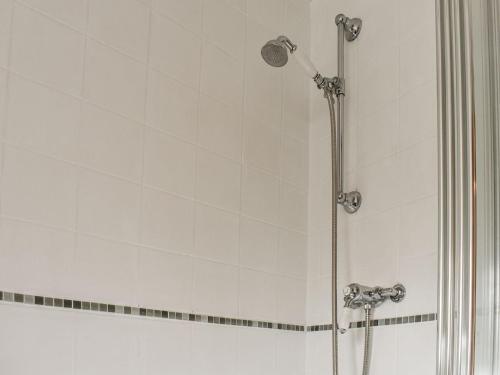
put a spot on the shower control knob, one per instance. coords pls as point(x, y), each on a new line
point(349, 292)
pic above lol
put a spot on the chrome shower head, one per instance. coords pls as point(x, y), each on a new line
point(275, 52)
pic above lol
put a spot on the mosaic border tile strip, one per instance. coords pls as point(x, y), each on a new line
point(142, 311)
point(420, 318)
point(190, 317)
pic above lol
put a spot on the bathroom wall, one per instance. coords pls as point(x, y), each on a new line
point(149, 158)
point(391, 129)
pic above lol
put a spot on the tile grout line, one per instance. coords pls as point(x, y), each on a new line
point(54, 302)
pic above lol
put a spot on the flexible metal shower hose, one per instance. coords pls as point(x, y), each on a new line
point(333, 140)
point(368, 312)
point(368, 341)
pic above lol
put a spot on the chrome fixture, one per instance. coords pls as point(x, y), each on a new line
point(348, 29)
point(352, 26)
point(275, 53)
point(363, 297)
point(359, 296)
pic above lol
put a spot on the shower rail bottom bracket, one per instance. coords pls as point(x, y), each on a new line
point(350, 201)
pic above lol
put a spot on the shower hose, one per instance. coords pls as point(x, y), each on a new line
point(368, 341)
point(368, 311)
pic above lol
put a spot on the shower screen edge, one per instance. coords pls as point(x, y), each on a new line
point(457, 196)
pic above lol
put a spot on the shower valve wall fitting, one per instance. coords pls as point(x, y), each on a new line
point(358, 296)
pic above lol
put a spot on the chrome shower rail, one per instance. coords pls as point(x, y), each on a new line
point(275, 53)
point(348, 29)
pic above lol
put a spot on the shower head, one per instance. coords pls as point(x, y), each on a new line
point(275, 52)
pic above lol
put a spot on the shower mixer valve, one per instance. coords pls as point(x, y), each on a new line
point(359, 296)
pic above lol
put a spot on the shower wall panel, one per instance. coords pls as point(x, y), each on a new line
point(153, 199)
point(391, 158)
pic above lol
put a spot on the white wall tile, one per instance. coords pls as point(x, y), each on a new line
point(175, 51)
point(294, 162)
point(292, 254)
point(297, 10)
point(114, 81)
point(165, 280)
point(105, 271)
point(220, 128)
point(214, 350)
point(258, 245)
point(135, 234)
point(106, 343)
point(262, 142)
point(216, 234)
point(381, 33)
point(419, 276)
point(418, 122)
point(238, 4)
point(383, 360)
point(171, 106)
point(215, 289)
point(412, 15)
point(257, 295)
point(167, 221)
point(296, 102)
point(270, 13)
point(375, 246)
point(221, 76)
point(416, 68)
point(256, 352)
point(376, 182)
point(319, 354)
point(377, 135)
point(290, 353)
point(49, 126)
point(260, 195)
point(39, 259)
point(218, 181)
point(165, 348)
point(169, 163)
point(188, 13)
point(293, 208)
point(108, 206)
point(218, 18)
point(46, 335)
point(418, 230)
point(6, 7)
point(416, 352)
point(3, 100)
point(47, 51)
point(71, 12)
point(38, 189)
point(378, 72)
point(418, 171)
point(290, 300)
point(123, 24)
point(110, 143)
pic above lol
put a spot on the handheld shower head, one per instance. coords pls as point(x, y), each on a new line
point(275, 53)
